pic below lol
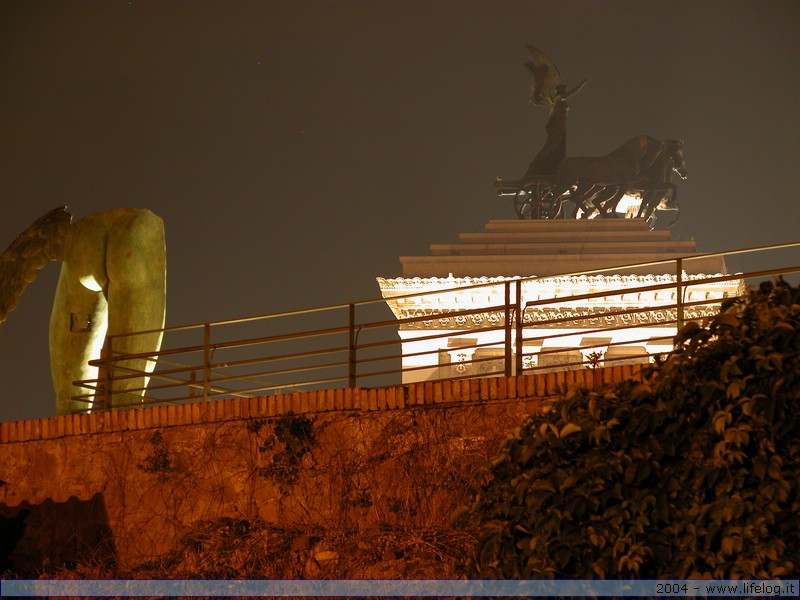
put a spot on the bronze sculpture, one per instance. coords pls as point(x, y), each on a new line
point(112, 281)
point(641, 168)
point(547, 91)
point(642, 165)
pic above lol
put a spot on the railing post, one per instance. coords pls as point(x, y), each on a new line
point(507, 361)
point(351, 346)
point(206, 361)
point(679, 292)
point(107, 402)
point(518, 336)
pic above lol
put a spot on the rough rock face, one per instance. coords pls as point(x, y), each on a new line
point(229, 548)
point(343, 493)
point(375, 474)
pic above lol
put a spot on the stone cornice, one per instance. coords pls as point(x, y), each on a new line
point(434, 301)
point(543, 288)
point(551, 317)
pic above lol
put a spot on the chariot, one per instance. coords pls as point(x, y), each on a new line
point(537, 198)
point(635, 180)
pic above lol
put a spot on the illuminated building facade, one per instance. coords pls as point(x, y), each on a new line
point(548, 261)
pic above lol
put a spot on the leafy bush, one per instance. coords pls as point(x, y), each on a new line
point(692, 473)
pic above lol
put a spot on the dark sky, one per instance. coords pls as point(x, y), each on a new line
point(295, 148)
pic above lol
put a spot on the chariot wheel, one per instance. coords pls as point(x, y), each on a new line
point(523, 205)
point(537, 200)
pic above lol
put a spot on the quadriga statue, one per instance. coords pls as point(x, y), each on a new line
point(112, 281)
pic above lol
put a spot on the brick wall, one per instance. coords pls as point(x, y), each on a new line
point(126, 485)
point(372, 399)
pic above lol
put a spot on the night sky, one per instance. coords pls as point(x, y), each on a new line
point(295, 149)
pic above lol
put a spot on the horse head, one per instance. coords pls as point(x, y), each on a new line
point(673, 149)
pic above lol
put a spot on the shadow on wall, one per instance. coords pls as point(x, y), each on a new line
point(55, 535)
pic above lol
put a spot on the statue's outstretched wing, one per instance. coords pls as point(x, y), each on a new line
point(33, 249)
point(545, 77)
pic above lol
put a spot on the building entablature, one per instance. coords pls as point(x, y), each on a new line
point(457, 293)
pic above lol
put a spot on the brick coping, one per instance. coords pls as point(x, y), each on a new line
point(434, 394)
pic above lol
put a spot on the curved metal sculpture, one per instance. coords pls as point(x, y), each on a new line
point(112, 281)
point(31, 251)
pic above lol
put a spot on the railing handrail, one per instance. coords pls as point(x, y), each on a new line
point(511, 307)
point(498, 279)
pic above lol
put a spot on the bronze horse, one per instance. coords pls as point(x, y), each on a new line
point(661, 193)
point(643, 165)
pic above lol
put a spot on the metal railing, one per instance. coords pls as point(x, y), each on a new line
point(358, 344)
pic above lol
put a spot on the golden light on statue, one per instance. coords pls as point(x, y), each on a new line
point(112, 282)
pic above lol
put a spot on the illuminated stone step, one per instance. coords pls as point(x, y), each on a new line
point(548, 264)
point(568, 235)
point(516, 225)
point(586, 248)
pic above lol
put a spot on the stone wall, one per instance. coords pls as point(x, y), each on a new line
point(122, 487)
